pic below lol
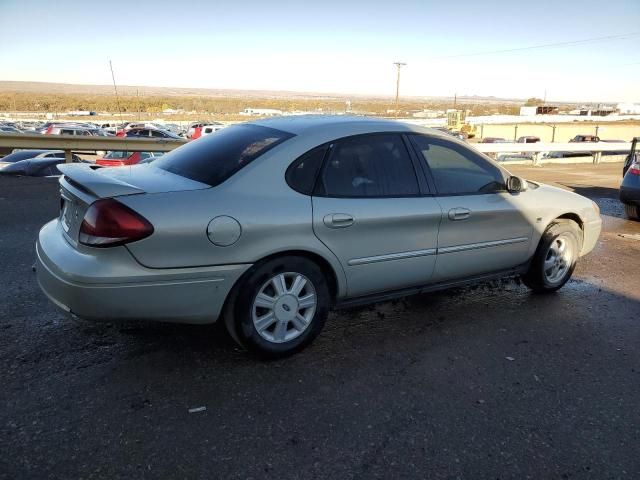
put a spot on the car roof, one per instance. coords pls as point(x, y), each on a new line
point(41, 161)
point(298, 124)
point(24, 154)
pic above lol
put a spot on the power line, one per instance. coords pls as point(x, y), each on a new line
point(546, 45)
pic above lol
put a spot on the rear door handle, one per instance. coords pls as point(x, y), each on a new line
point(338, 220)
point(459, 213)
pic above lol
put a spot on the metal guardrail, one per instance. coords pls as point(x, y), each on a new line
point(73, 143)
point(537, 149)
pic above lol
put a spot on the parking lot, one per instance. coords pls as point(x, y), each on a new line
point(482, 382)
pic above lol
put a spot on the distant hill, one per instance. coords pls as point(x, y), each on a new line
point(69, 88)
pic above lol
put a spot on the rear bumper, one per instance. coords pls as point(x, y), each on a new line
point(591, 233)
point(109, 284)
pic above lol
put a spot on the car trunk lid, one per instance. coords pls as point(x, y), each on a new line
point(81, 185)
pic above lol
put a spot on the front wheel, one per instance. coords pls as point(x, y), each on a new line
point(281, 306)
point(555, 258)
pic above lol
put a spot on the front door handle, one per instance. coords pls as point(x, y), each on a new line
point(338, 220)
point(459, 213)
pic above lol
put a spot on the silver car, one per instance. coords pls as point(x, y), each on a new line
point(270, 224)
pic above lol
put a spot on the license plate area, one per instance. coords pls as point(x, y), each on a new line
point(66, 214)
point(70, 213)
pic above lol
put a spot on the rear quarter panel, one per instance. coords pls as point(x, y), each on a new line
point(273, 219)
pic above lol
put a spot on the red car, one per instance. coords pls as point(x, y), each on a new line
point(120, 159)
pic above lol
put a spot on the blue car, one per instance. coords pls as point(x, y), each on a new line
point(630, 188)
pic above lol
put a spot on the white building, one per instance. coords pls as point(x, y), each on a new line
point(264, 112)
point(628, 108)
point(526, 111)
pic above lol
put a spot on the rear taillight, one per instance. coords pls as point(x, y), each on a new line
point(634, 168)
point(108, 223)
point(48, 131)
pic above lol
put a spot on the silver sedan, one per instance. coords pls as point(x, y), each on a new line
point(271, 224)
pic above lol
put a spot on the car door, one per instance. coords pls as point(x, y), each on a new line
point(374, 212)
point(483, 228)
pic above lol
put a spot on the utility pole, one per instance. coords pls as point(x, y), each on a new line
point(113, 77)
point(398, 65)
point(138, 99)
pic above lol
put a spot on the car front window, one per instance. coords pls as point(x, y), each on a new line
point(457, 170)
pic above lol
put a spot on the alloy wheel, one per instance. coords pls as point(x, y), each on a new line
point(558, 259)
point(284, 307)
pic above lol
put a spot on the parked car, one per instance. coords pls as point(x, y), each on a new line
point(585, 138)
point(566, 154)
point(122, 131)
point(35, 167)
point(74, 130)
point(209, 129)
point(270, 224)
point(119, 158)
point(8, 129)
point(19, 155)
point(630, 187)
point(196, 130)
point(49, 126)
point(493, 140)
point(528, 139)
point(151, 133)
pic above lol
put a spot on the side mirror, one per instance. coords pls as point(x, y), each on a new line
point(516, 184)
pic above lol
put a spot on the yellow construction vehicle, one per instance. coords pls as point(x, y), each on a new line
point(456, 122)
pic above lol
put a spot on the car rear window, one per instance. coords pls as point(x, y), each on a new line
point(215, 158)
point(118, 155)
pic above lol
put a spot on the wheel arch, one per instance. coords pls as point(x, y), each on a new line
point(574, 217)
point(335, 287)
point(570, 216)
point(326, 267)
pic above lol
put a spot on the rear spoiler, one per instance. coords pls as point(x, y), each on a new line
point(91, 179)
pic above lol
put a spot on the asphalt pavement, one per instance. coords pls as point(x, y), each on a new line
point(476, 383)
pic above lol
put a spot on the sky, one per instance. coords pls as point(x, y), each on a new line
point(331, 46)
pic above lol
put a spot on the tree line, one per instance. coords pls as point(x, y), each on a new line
point(153, 104)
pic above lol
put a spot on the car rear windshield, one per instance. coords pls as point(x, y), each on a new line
point(119, 155)
point(214, 158)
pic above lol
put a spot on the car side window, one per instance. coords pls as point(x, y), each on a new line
point(155, 133)
point(301, 174)
point(375, 165)
point(457, 170)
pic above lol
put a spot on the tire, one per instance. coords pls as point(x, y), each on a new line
point(280, 322)
point(555, 257)
point(632, 211)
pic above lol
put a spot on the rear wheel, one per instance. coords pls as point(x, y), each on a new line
point(632, 211)
point(555, 258)
point(280, 307)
